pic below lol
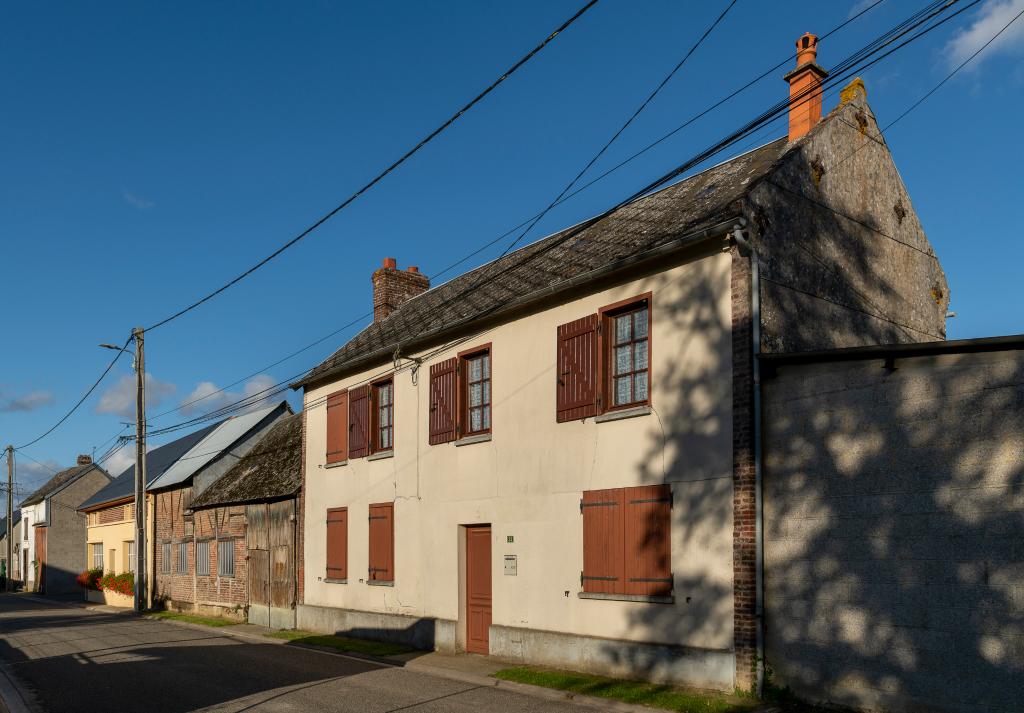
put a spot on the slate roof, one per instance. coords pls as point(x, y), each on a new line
point(272, 469)
point(157, 461)
point(64, 477)
point(697, 202)
point(3, 522)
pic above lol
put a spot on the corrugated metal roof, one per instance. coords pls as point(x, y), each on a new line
point(215, 443)
point(157, 461)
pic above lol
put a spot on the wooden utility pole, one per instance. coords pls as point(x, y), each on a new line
point(140, 471)
point(10, 516)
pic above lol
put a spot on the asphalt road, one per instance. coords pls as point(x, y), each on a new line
point(72, 659)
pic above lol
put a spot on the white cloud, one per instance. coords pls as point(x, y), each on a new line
point(122, 459)
point(860, 6)
point(30, 476)
point(990, 19)
point(137, 201)
point(207, 396)
point(120, 398)
point(27, 402)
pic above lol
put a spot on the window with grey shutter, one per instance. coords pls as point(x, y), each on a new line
point(181, 566)
point(203, 558)
point(226, 558)
point(165, 557)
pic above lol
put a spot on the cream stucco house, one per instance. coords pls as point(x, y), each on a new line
point(553, 458)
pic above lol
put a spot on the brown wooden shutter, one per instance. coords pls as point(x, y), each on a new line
point(337, 427)
point(382, 543)
point(358, 422)
point(603, 561)
point(648, 550)
point(443, 403)
point(577, 363)
point(337, 543)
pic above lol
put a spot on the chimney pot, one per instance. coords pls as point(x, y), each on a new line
point(84, 460)
point(413, 269)
point(805, 87)
point(390, 263)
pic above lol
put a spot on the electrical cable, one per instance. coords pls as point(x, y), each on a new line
point(407, 155)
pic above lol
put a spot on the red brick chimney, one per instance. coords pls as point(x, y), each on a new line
point(393, 287)
point(805, 87)
point(84, 460)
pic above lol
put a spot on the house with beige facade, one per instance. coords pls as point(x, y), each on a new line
point(553, 458)
point(110, 537)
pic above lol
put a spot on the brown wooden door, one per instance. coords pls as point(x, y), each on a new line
point(40, 559)
point(478, 589)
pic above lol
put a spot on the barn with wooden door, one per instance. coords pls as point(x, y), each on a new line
point(262, 493)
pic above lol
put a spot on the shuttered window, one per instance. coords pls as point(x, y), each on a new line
point(129, 548)
point(382, 543)
point(97, 555)
point(203, 558)
point(383, 416)
point(627, 541)
point(165, 557)
point(181, 565)
point(576, 370)
point(226, 558)
point(358, 422)
point(337, 427)
point(337, 543)
point(443, 401)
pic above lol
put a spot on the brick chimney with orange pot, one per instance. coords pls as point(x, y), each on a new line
point(393, 287)
point(805, 87)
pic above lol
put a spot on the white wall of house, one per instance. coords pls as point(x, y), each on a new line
point(528, 480)
point(29, 517)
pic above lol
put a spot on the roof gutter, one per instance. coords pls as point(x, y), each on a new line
point(685, 241)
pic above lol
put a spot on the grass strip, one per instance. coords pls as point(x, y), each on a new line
point(341, 643)
point(637, 692)
point(190, 619)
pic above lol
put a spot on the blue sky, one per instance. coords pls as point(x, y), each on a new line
point(152, 150)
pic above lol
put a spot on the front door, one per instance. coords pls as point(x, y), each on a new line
point(478, 588)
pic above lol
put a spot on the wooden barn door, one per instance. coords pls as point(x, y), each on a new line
point(478, 589)
point(257, 544)
point(282, 569)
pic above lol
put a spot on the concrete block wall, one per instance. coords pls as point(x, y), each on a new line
point(894, 531)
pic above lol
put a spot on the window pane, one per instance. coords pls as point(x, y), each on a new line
point(475, 420)
point(385, 438)
point(622, 328)
point(641, 386)
point(640, 355)
point(487, 392)
point(640, 324)
point(487, 416)
point(623, 361)
point(384, 394)
point(475, 394)
point(475, 369)
point(622, 390)
point(487, 365)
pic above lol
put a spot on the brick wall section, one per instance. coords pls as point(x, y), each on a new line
point(744, 513)
point(174, 526)
point(118, 513)
point(393, 287)
point(300, 530)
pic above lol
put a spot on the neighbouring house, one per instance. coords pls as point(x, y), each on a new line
point(894, 524)
point(551, 458)
point(176, 581)
point(246, 529)
point(53, 530)
point(110, 538)
point(11, 569)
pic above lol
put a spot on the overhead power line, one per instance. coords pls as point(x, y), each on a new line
point(531, 221)
point(376, 179)
point(80, 401)
point(860, 60)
